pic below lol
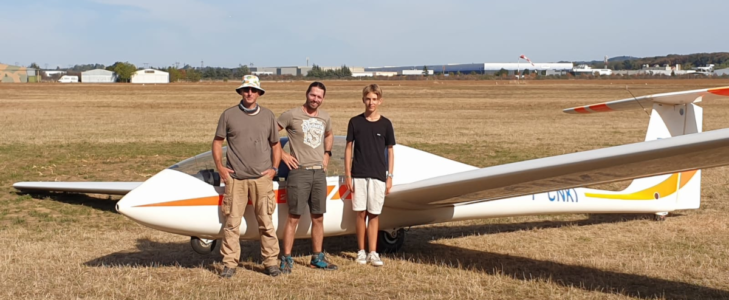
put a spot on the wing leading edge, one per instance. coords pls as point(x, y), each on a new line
point(688, 152)
point(643, 102)
point(111, 188)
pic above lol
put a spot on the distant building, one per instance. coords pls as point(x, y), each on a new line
point(14, 74)
point(414, 72)
point(151, 76)
point(587, 70)
point(362, 74)
point(98, 76)
point(50, 73)
point(478, 68)
point(721, 72)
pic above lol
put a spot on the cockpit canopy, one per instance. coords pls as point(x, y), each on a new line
point(202, 166)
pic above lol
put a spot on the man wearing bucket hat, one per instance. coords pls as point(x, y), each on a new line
point(253, 156)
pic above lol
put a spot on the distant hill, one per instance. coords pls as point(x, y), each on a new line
point(687, 61)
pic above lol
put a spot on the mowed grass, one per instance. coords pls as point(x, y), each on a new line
point(63, 246)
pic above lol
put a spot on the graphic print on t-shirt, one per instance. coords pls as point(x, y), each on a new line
point(313, 132)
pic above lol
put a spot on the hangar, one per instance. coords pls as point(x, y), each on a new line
point(151, 76)
point(17, 74)
point(98, 76)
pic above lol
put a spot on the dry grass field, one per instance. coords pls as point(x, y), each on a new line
point(66, 246)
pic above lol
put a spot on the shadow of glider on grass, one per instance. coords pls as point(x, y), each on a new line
point(184, 199)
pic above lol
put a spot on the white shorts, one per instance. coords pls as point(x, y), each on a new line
point(369, 194)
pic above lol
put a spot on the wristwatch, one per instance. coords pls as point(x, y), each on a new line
point(275, 170)
point(328, 152)
point(390, 175)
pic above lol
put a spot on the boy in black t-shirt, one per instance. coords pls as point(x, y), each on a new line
point(368, 169)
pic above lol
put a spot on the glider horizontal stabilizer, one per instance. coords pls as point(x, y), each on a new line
point(651, 158)
point(110, 188)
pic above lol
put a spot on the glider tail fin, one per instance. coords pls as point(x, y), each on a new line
point(669, 121)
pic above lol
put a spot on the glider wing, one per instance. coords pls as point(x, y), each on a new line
point(651, 158)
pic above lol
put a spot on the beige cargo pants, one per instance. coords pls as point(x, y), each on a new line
point(237, 194)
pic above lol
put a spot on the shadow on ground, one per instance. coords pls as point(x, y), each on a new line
point(103, 203)
point(419, 249)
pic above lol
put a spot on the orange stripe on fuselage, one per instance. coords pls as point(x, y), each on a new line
point(664, 189)
point(213, 200)
point(280, 196)
point(686, 177)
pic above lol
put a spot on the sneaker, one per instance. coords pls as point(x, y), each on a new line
point(374, 259)
point(272, 271)
point(318, 261)
point(287, 264)
point(361, 257)
point(227, 273)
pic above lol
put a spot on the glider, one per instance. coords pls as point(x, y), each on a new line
point(184, 198)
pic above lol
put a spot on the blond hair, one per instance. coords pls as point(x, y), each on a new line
point(372, 88)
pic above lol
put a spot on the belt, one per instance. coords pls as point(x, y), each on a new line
point(314, 168)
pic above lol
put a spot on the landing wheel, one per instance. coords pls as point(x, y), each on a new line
point(202, 246)
point(660, 217)
point(390, 241)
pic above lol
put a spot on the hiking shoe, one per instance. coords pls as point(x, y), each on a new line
point(374, 259)
point(272, 271)
point(318, 261)
point(227, 273)
point(361, 257)
point(287, 264)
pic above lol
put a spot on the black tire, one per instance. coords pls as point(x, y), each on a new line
point(390, 243)
point(201, 247)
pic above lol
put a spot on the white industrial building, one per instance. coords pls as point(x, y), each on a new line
point(98, 76)
point(151, 76)
point(721, 72)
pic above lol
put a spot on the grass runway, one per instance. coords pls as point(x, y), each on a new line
point(67, 246)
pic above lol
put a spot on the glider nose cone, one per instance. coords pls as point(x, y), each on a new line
point(166, 200)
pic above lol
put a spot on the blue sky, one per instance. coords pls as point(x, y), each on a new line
point(357, 33)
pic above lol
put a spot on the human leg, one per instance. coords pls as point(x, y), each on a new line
point(264, 202)
point(233, 207)
point(317, 232)
point(373, 226)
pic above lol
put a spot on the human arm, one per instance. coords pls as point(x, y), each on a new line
point(288, 159)
point(390, 167)
point(328, 142)
point(218, 158)
point(275, 160)
point(348, 166)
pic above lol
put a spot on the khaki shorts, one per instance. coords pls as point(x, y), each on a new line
point(307, 188)
point(369, 194)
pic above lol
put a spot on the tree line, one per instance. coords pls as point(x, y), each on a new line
point(720, 60)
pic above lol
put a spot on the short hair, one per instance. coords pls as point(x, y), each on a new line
point(318, 85)
point(372, 88)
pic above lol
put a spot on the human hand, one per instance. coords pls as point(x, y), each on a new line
point(389, 185)
point(325, 162)
point(290, 160)
point(350, 184)
point(270, 173)
point(225, 174)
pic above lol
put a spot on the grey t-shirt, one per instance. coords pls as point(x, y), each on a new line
point(306, 135)
point(249, 140)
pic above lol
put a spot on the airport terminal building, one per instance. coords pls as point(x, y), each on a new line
point(478, 68)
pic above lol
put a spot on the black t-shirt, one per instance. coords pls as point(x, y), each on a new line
point(370, 146)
